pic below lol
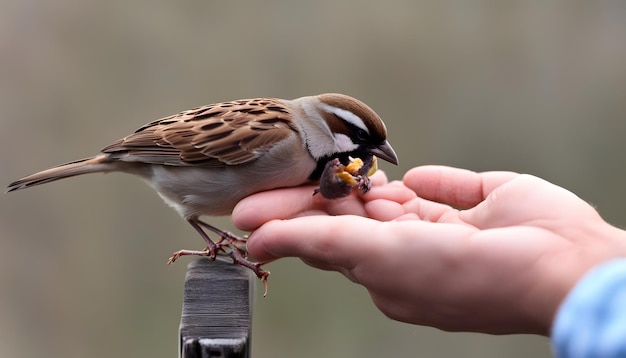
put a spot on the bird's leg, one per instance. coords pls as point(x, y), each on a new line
point(238, 258)
point(210, 250)
point(225, 235)
point(226, 240)
point(179, 253)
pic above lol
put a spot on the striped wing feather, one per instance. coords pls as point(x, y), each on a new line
point(227, 133)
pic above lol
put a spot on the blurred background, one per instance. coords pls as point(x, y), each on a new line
point(530, 86)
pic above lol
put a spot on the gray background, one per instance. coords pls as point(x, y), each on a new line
point(530, 86)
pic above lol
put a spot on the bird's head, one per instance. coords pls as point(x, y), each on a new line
point(341, 126)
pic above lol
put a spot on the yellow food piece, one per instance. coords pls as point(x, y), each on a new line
point(374, 167)
point(347, 178)
point(354, 166)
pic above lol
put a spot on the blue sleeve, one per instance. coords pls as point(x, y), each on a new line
point(591, 322)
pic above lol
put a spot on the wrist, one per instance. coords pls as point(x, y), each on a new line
point(557, 274)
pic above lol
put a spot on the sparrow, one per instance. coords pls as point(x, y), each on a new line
point(204, 160)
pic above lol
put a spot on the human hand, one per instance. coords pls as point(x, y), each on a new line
point(489, 252)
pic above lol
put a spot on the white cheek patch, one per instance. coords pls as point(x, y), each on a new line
point(320, 147)
point(344, 143)
point(346, 116)
point(320, 141)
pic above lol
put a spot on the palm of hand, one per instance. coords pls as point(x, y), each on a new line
point(493, 252)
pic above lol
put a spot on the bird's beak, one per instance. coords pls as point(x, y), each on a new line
point(385, 152)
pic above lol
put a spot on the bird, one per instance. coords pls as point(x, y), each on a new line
point(204, 160)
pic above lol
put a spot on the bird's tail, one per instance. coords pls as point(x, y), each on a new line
point(90, 165)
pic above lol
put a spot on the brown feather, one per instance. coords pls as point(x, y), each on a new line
point(372, 120)
point(228, 133)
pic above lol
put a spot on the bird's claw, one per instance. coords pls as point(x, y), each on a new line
point(229, 244)
point(206, 252)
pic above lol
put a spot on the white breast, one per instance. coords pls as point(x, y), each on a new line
point(195, 191)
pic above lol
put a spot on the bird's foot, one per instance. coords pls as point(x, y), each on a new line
point(206, 252)
point(240, 258)
point(229, 244)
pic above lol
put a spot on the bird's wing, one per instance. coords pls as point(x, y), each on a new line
point(227, 133)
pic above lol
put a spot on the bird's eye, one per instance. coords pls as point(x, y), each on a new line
point(361, 135)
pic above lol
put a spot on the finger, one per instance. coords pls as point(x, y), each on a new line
point(379, 178)
point(528, 199)
point(431, 211)
point(384, 210)
point(394, 191)
point(352, 245)
point(323, 241)
point(460, 188)
point(253, 211)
